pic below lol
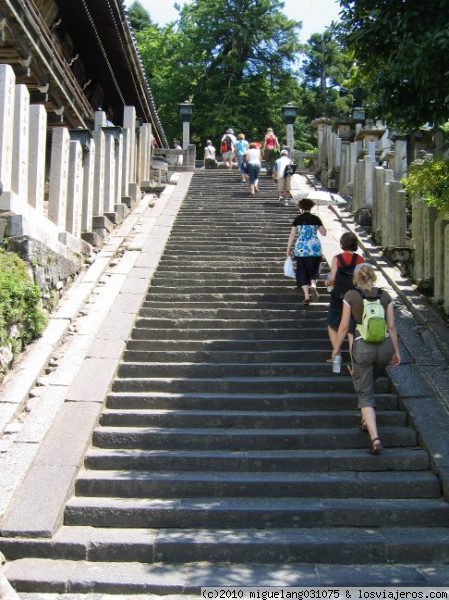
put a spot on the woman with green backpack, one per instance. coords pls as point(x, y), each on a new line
point(375, 342)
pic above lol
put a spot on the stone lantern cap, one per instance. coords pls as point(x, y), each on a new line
point(370, 132)
point(321, 122)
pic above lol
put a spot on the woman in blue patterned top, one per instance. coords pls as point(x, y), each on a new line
point(307, 249)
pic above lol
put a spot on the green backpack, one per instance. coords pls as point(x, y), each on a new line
point(374, 326)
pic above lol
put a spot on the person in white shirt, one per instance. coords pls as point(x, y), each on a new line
point(227, 147)
point(284, 183)
point(179, 155)
point(210, 161)
point(254, 160)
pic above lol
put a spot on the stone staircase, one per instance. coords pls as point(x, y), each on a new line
point(227, 452)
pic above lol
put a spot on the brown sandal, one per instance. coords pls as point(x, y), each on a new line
point(363, 426)
point(376, 446)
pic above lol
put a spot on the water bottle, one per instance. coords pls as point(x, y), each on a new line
point(336, 364)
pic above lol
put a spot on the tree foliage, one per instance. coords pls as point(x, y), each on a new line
point(20, 303)
point(402, 52)
point(138, 16)
point(325, 69)
point(236, 60)
point(429, 180)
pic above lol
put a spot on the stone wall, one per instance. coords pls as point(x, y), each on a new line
point(58, 205)
point(365, 164)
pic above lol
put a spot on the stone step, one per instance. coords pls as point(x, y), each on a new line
point(308, 324)
point(302, 336)
point(226, 288)
point(286, 298)
point(238, 401)
point(215, 370)
point(325, 546)
point(220, 348)
point(216, 438)
point(288, 304)
point(353, 484)
point(357, 459)
point(229, 356)
point(233, 314)
point(255, 512)
point(176, 581)
point(241, 418)
point(267, 385)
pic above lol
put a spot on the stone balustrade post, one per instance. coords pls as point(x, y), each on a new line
point(118, 167)
point(88, 186)
point(126, 156)
point(37, 156)
point(109, 171)
point(75, 189)
point(441, 258)
point(100, 144)
point(85, 138)
point(19, 174)
point(400, 158)
point(446, 271)
point(418, 238)
point(59, 166)
point(144, 152)
point(129, 123)
point(7, 101)
point(430, 216)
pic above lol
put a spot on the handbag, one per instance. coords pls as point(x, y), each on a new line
point(289, 268)
point(245, 167)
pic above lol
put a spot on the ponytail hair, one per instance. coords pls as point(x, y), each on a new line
point(364, 277)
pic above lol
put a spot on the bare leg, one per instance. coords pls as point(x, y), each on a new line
point(333, 338)
point(369, 419)
point(305, 289)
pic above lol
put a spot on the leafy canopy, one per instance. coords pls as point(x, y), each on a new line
point(402, 52)
point(20, 302)
point(138, 16)
point(429, 180)
point(325, 70)
point(236, 60)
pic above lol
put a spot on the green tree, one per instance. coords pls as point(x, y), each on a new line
point(325, 69)
point(235, 59)
point(138, 16)
point(402, 53)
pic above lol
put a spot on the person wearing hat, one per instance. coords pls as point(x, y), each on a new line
point(227, 147)
point(270, 150)
point(284, 181)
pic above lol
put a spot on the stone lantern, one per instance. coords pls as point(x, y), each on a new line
point(186, 112)
point(290, 112)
